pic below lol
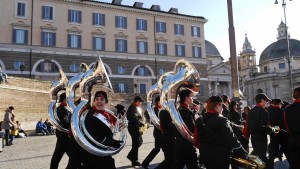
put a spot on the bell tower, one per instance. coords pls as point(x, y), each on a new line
point(247, 60)
point(282, 31)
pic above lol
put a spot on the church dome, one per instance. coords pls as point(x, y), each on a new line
point(278, 50)
point(211, 49)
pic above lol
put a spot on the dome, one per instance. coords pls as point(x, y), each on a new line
point(278, 50)
point(211, 49)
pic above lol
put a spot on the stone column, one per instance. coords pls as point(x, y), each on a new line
point(230, 89)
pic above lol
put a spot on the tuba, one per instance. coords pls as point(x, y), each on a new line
point(57, 87)
point(251, 162)
point(93, 80)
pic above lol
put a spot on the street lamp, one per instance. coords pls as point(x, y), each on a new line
point(289, 58)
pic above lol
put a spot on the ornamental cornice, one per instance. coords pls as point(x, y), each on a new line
point(48, 27)
point(74, 30)
point(98, 32)
point(161, 38)
point(121, 35)
point(142, 37)
point(21, 24)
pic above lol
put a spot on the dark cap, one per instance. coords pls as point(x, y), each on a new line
point(183, 94)
point(225, 98)
point(119, 107)
point(101, 94)
point(277, 101)
point(62, 97)
point(296, 93)
point(214, 99)
point(261, 96)
point(138, 98)
point(196, 102)
point(157, 99)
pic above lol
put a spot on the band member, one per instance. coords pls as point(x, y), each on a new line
point(62, 143)
point(135, 121)
point(157, 138)
point(292, 123)
point(276, 119)
point(214, 137)
point(100, 123)
point(185, 153)
point(196, 108)
point(226, 102)
point(259, 128)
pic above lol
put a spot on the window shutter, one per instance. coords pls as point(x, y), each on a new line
point(116, 47)
point(103, 44)
point(43, 39)
point(200, 52)
point(79, 41)
point(157, 26)
point(103, 19)
point(43, 12)
point(175, 32)
point(192, 34)
point(164, 28)
point(125, 22)
point(94, 19)
point(193, 50)
point(79, 17)
point(166, 49)
point(182, 29)
point(176, 50)
point(69, 13)
point(137, 47)
point(26, 37)
point(157, 49)
point(137, 24)
point(198, 32)
point(146, 25)
point(183, 50)
point(14, 36)
point(94, 43)
point(126, 88)
point(116, 21)
point(51, 13)
point(146, 47)
point(69, 41)
point(125, 43)
point(54, 39)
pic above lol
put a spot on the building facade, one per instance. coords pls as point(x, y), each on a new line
point(136, 44)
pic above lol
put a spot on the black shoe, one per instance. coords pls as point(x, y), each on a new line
point(145, 166)
point(136, 163)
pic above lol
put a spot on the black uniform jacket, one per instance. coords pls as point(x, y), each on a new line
point(156, 131)
point(188, 118)
point(99, 131)
point(292, 119)
point(215, 133)
point(134, 117)
point(236, 122)
point(225, 112)
point(167, 128)
point(276, 117)
point(258, 126)
point(64, 119)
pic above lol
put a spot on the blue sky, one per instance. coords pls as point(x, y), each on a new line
point(258, 18)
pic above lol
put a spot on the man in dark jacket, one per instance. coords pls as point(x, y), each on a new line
point(292, 123)
point(135, 121)
point(259, 127)
point(226, 102)
point(62, 138)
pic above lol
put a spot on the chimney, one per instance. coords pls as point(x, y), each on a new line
point(173, 10)
point(155, 7)
point(117, 2)
point(138, 5)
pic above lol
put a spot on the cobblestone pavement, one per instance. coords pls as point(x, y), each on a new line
point(35, 152)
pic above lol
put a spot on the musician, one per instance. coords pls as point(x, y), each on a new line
point(259, 128)
point(135, 121)
point(62, 143)
point(292, 123)
point(226, 102)
point(157, 137)
point(185, 153)
point(214, 137)
point(276, 119)
point(100, 123)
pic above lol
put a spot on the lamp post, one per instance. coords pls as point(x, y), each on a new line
point(289, 58)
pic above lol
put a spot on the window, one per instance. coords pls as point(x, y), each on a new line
point(17, 65)
point(74, 67)
point(143, 89)
point(141, 24)
point(21, 9)
point(74, 41)
point(74, 16)
point(121, 70)
point(47, 66)
point(121, 22)
point(121, 45)
point(180, 50)
point(179, 29)
point(281, 65)
point(48, 39)
point(142, 71)
point(161, 48)
point(142, 47)
point(20, 36)
point(197, 52)
point(265, 69)
point(47, 12)
point(202, 90)
point(99, 43)
point(161, 27)
point(122, 88)
point(98, 19)
point(195, 31)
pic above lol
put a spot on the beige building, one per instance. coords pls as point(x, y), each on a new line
point(136, 44)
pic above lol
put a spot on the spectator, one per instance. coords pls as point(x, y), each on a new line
point(49, 127)
point(21, 133)
point(8, 124)
point(41, 128)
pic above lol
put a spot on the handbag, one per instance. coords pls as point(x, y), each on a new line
point(14, 132)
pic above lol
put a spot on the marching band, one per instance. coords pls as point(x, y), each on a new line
point(219, 135)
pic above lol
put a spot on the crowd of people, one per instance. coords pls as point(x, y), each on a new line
point(220, 132)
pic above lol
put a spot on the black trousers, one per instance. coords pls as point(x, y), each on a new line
point(154, 151)
point(6, 136)
point(137, 141)
point(62, 147)
point(97, 162)
point(214, 158)
point(77, 155)
point(294, 151)
point(168, 149)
